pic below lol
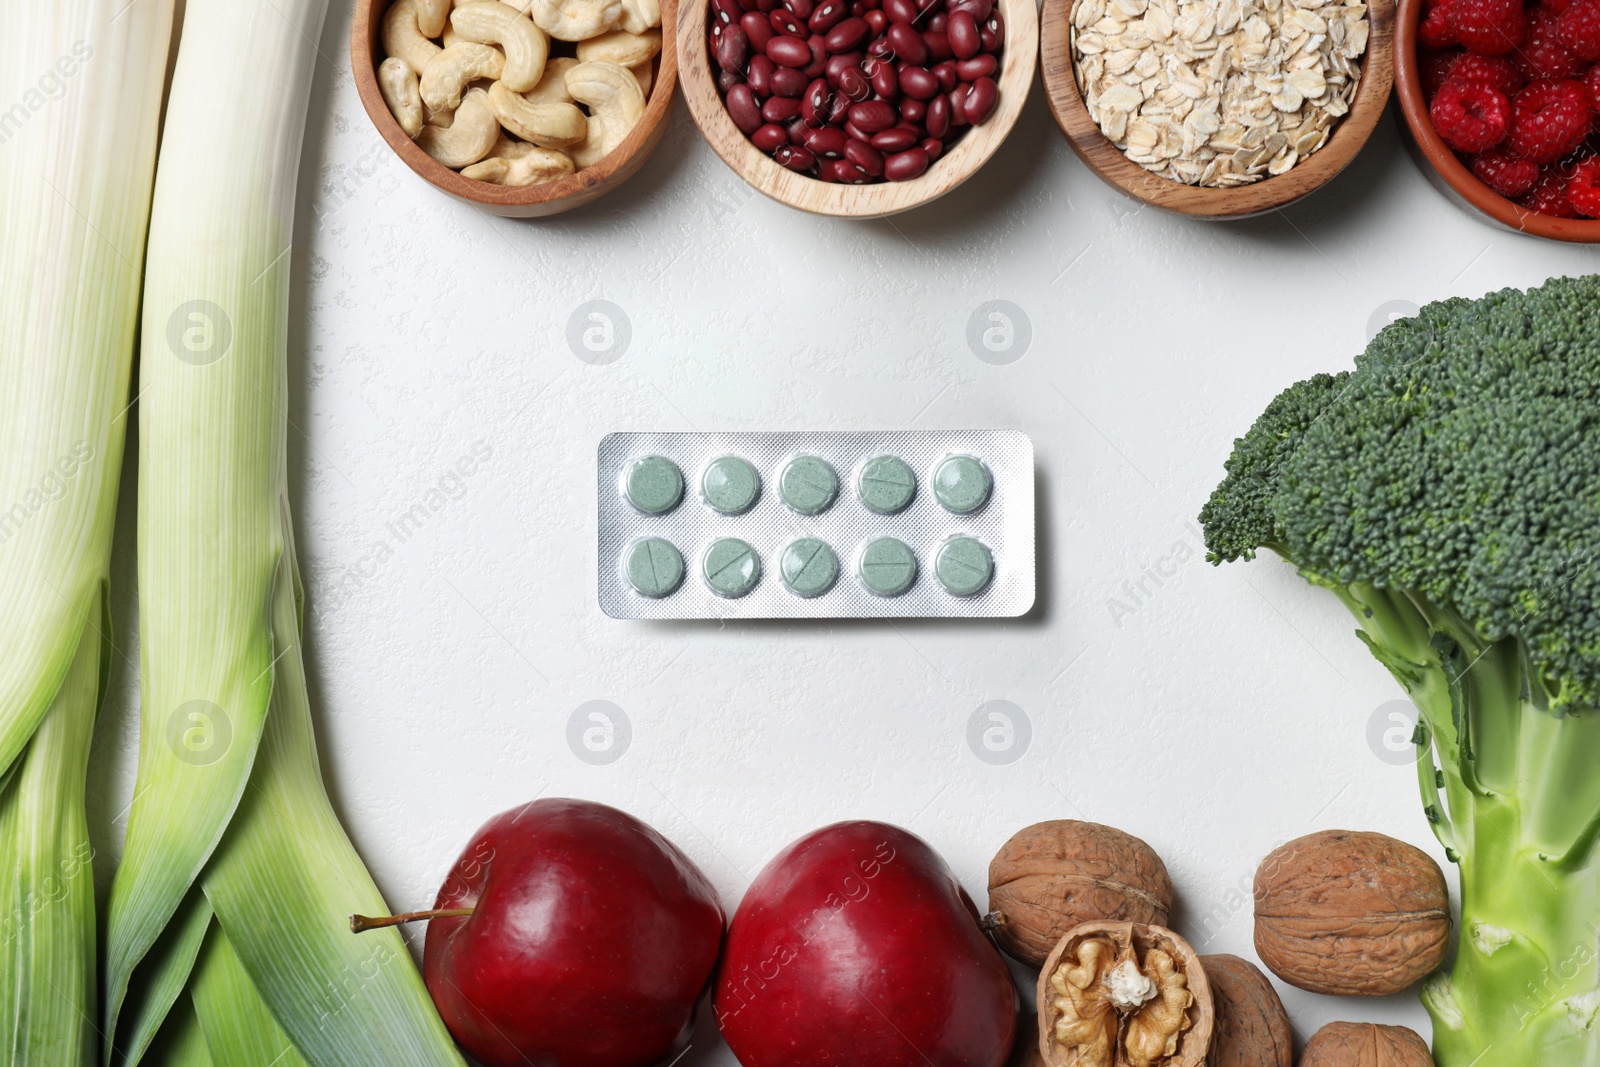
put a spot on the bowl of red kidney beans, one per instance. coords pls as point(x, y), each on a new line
point(857, 107)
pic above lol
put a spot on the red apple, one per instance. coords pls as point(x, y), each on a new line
point(590, 940)
point(856, 947)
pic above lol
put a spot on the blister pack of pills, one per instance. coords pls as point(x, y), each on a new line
point(771, 525)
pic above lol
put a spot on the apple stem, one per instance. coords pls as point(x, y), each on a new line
point(360, 923)
point(993, 921)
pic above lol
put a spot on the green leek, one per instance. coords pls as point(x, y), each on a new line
point(229, 804)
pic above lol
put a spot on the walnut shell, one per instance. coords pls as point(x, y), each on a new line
point(1252, 1028)
point(1087, 1017)
point(1365, 1045)
point(1351, 914)
point(1054, 876)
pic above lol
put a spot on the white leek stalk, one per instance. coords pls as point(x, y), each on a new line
point(80, 100)
point(229, 909)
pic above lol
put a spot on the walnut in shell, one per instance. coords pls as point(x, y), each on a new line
point(1251, 1029)
point(1351, 914)
point(1365, 1045)
point(1119, 994)
point(1056, 875)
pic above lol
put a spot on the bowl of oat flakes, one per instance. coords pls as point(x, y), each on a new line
point(1217, 109)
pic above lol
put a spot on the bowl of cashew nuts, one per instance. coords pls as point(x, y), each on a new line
point(519, 107)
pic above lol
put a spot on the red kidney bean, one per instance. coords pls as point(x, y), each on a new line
point(819, 57)
point(802, 8)
point(907, 44)
point(864, 156)
point(939, 22)
point(933, 147)
point(938, 46)
point(794, 157)
point(767, 7)
point(963, 35)
point(978, 9)
point(788, 51)
point(743, 109)
point(938, 120)
point(726, 11)
point(758, 28)
point(926, 9)
point(835, 66)
point(727, 79)
point(847, 173)
point(747, 6)
point(947, 75)
point(881, 48)
point(797, 132)
point(981, 99)
point(918, 83)
point(958, 106)
point(786, 81)
point(912, 111)
point(903, 166)
point(877, 22)
point(993, 33)
point(854, 84)
point(872, 116)
point(857, 9)
point(828, 141)
point(784, 22)
point(815, 103)
point(780, 109)
point(770, 137)
point(852, 130)
point(896, 140)
point(900, 10)
point(733, 49)
point(885, 81)
point(970, 70)
point(760, 74)
point(828, 15)
point(847, 36)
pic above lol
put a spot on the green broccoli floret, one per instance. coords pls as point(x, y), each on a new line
point(1448, 491)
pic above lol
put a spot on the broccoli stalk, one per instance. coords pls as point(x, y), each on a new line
point(1448, 492)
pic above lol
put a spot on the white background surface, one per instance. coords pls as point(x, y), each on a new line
point(1216, 712)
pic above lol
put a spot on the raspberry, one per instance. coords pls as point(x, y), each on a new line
point(1509, 177)
point(1542, 56)
point(1435, 67)
point(1437, 30)
point(1591, 85)
point(1494, 71)
point(1578, 29)
point(1583, 188)
point(1470, 117)
point(1557, 6)
point(1549, 197)
point(1548, 120)
point(1488, 27)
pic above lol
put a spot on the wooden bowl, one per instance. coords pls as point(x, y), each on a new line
point(1449, 169)
point(529, 201)
point(1116, 169)
point(959, 162)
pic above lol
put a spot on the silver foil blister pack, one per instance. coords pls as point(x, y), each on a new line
point(918, 523)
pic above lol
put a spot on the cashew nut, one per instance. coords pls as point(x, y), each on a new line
point(615, 107)
point(467, 139)
point(534, 167)
point(645, 73)
point(620, 47)
point(552, 88)
point(402, 35)
point(447, 75)
point(575, 20)
point(398, 84)
point(548, 125)
point(640, 15)
point(526, 46)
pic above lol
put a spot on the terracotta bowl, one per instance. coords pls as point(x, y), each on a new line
point(1457, 180)
point(956, 165)
point(1116, 169)
point(527, 201)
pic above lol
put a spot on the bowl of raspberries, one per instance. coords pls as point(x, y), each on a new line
point(1503, 100)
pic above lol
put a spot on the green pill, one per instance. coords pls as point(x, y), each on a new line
point(808, 485)
point(731, 567)
point(809, 567)
point(654, 567)
point(886, 485)
point(730, 485)
point(654, 485)
point(962, 484)
point(888, 567)
point(964, 566)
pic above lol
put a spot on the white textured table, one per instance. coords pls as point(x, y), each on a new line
point(453, 626)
